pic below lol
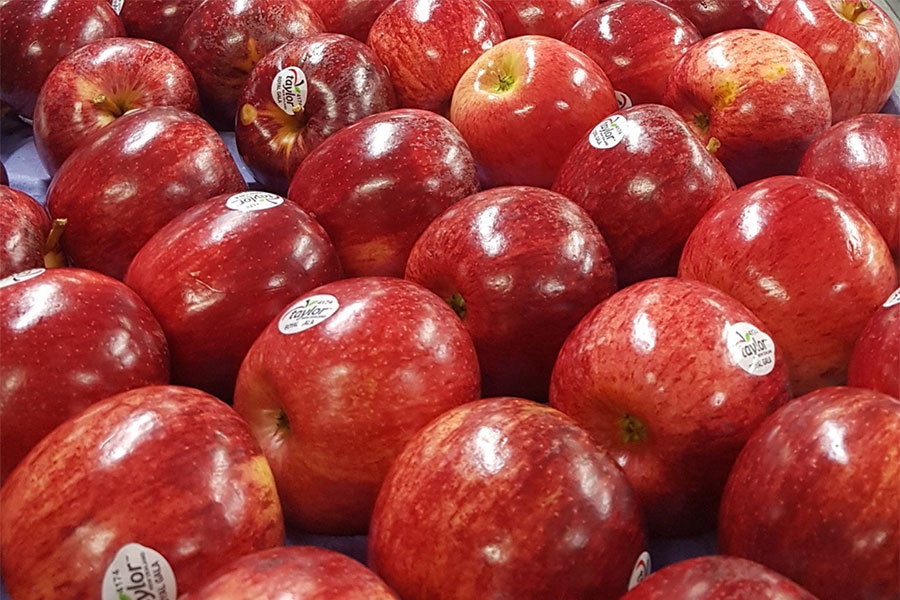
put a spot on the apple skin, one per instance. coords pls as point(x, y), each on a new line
point(317, 399)
point(815, 495)
point(24, 226)
point(756, 99)
point(346, 82)
point(96, 84)
point(861, 158)
point(136, 175)
point(377, 184)
point(804, 259)
point(524, 104)
point(221, 42)
point(636, 43)
point(428, 44)
point(551, 18)
point(715, 16)
point(853, 42)
point(37, 34)
point(160, 21)
point(647, 192)
point(875, 362)
point(540, 268)
point(171, 468)
point(505, 498)
point(4, 177)
point(350, 17)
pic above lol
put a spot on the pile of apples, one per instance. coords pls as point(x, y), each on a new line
point(519, 285)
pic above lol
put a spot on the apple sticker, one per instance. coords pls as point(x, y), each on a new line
point(751, 349)
point(20, 276)
point(893, 299)
point(307, 313)
point(289, 90)
point(608, 133)
point(623, 99)
point(641, 570)
point(117, 5)
point(139, 572)
point(253, 201)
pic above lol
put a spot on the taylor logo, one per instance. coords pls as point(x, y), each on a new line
point(751, 349)
point(289, 90)
point(307, 313)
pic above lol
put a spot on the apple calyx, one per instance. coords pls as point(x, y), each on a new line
point(505, 82)
point(633, 430)
point(458, 304)
point(282, 423)
point(853, 10)
point(702, 122)
point(102, 102)
point(53, 254)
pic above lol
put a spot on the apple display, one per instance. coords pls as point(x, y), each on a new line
point(24, 227)
point(160, 21)
point(716, 16)
point(552, 18)
point(875, 362)
point(350, 17)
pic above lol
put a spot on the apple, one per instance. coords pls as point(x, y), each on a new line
point(98, 83)
point(520, 266)
point(815, 495)
point(875, 362)
point(524, 104)
point(338, 383)
point(715, 16)
point(636, 43)
point(37, 34)
point(378, 183)
point(552, 18)
point(646, 181)
point(756, 99)
point(428, 44)
point(853, 42)
point(4, 177)
point(161, 484)
point(861, 158)
point(133, 177)
point(24, 227)
point(301, 93)
point(221, 41)
point(350, 17)
point(505, 498)
point(160, 21)
point(211, 299)
point(805, 260)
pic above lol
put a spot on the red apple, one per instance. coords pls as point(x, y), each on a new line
point(804, 259)
point(377, 184)
point(337, 384)
point(96, 84)
point(505, 498)
point(861, 158)
point(222, 40)
point(875, 362)
point(714, 16)
point(756, 99)
point(4, 177)
point(135, 176)
point(636, 43)
point(296, 573)
point(520, 266)
point(815, 495)
point(350, 17)
point(301, 93)
point(158, 20)
point(524, 104)
point(37, 34)
point(161, 483)
point(428, 44)
point(552, 18)
point(211, 300)
point(24, 227)
point(854, 44)
point(646, 180)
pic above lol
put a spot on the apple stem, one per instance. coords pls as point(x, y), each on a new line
point(458, 304)
point(713, 145)
point(53, 254)
point(104, 103)
point(852, 10)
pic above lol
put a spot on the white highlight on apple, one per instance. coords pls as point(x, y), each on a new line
point(289, 90)
point(136, 572)
point(608, 133)
point(307, 313)
point(253, 201)
point(751, 349)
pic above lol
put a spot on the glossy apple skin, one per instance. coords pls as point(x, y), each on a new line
point(160, 21)
point(444, 526)
point(636, 43)
point(715, 16)
point(37, 34)
point(128, 73)
point(332, 406)
point(815, 495)
point(376, 185)
point(350, 17)
point(552, 18)
point(346, 82)
point(875, 362)
point(295, 573)
point(428, 44)
point(171, 468)
point(524, 104)
point(804, 259)
point(24, 226)
point(126, 183)
point(646, 193)
point(858, 58)
point(221, 42)
point(861, 158)
point(756, 98)
point(540, 268)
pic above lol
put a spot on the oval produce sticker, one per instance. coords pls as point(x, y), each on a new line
point(893, 299)
point(289, 90)
point(641, 570)
point(623, 99)
point(253, 201)
point(139, 573)
point(750, 348)
point(608, 133)
point(307, 313)
point(20, 277)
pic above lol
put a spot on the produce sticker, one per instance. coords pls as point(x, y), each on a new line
point(307, 313)
point(641, 570)
point(893, 299)
point(289, 90)
point(139, 573)
point(751, 349)
point(20, 277)
point(608, 133)
point(253, 201)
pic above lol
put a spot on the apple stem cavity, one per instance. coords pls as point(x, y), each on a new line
point(458, 304)
point(853, 10)
point(702, 122)
point(104, 103)
point(53, 254)
point(282, 423)
point(633, 431)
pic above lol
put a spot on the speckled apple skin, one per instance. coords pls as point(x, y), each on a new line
point(657, 352)
point(136, 175)
point(804, 259)
point(815, 495)
point(70, 338)
point(637, 44)
point(221, 42)
point(529, 264)
point(37, 34)
point(646, 193)
point(875, 362)
point(861, 158)
point(551, 18)
point(295, 573)
point(428, 44)
point(160, 21)
point(24, 225)
point(505, 498)
point(346, 82)
point(170, 468)
point(376, 185)
point(763, 96)
point(350, 17)
point(353, 389)
point(715, 16)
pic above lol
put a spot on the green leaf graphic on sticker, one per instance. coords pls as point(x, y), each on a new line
point(124, 596)
point(748, 336)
